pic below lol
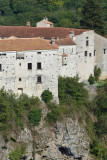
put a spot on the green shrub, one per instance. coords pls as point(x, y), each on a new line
point(91, 79)
point(47, 96)
point(35, 116)
point(69, 89)
point(97, 149)
point(97, 73)
point(17, 154)
point(101, 125)
point(58, 113)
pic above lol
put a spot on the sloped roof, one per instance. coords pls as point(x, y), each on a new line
point(29, 32)
point(47, 22)
point(65, 41)
point(24, 44)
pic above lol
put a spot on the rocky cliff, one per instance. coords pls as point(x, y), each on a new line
point(65, 140)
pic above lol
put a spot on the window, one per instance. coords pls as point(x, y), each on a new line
point(0, 67)
point(39, 65)
point(4, 54)
point(85, 53)
point(29, 65)
point(94, 52)
point(104, 51)
point(89, 54)
point(20, 91)
point(20, 79)
point(87, 42)
point(39, 80)
point(38, 52)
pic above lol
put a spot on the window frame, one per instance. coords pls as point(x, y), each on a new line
point(87, 42)
point(104, 50)
point(39, 79)
point(86, 53)
point(38, 52)
point(39, 65)
point(29, 66)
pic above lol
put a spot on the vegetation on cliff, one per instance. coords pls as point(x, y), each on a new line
point(16, 112)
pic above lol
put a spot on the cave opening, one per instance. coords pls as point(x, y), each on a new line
point(65, 151)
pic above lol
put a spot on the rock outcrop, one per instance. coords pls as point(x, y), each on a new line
point(66, 140)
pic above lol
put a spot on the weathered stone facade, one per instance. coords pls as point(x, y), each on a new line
point(101, 54)
point(78, 51)
point(30, 72)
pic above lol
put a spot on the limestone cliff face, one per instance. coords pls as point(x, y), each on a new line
point(66, 140)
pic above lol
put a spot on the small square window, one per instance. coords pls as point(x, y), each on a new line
point(39, 80)
point(20, 79)
point(39, 65)
point(0, 67)
point(29, 65)
point(85, 53)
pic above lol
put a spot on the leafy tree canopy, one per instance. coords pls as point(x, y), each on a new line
point(71, 89)
point(93, 17)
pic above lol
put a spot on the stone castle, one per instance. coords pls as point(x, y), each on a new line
point(32, 58)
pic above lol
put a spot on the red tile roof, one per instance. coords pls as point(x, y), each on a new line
point(29, 32)
point(65, 41)
point(47, 22)
point(25, 44)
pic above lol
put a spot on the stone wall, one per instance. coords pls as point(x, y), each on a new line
point(69, 68)
point(85, 63)
point(16, 76)
point(101, 54)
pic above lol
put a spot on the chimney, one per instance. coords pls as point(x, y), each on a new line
point(45, 18)
point(71, 34)
point(57, 38)
point(53, 40)
point(28, 24)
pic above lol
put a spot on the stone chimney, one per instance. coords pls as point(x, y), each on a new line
point(57, 38)
point(71, 34)
point(53, 40)
point(45, 18)
point(28, 24)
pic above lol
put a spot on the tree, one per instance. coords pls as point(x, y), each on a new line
point(92, 17)
point(47, 96)
point(5, 8)
point(91, 79)
point(97, 73)
point(70, 88)
point(51, 4)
